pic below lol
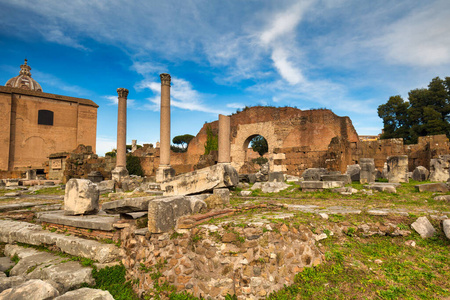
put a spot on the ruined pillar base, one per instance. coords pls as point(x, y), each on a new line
point(164, 173)
point(119, 174)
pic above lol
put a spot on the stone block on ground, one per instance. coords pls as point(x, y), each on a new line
point(442, 198)
point(446, 227)
point(432, 187)
point(276, 177)
point(423, 227)
point(320, 185)
point(5, 263)
point(313, 174)
point(203, 180)
point(86, 294)
point(128, 205)
point(353, 171)
point(224, 194)
point(420, 173)
point(32, 289)
point(439, 168)
point(106, 186)
point(398, 168)
point(164, 213)
point(81, 197)
point(339, 177)
point(23, 232)
point(198, 203)
point(368, 171)
point(245, 193)
point(10, 282)
point(94, 222)
point(383, 187)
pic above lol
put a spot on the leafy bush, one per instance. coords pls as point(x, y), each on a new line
point(134, 165)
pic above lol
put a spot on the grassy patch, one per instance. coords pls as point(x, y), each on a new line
point(375, 268)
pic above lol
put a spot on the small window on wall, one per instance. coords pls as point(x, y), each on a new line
point(45, 117)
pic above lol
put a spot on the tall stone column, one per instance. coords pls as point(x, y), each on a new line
point(121, 163)
point(224, 139)
point(164, 171)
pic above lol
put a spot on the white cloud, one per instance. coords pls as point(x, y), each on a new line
point(286, 69)
point(235, 105)
point(105, 144)
point(114, 100)
point(48, 79)
point(182, 95)
point(420, 38)
point(285, 22)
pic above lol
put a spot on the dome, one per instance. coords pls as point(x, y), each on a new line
point(24, 80)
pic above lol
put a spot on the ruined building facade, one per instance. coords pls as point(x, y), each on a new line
point(35, 124)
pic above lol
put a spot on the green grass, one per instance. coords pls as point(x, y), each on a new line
point(350, 272)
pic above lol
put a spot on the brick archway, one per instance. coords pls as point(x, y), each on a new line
point(245, 133)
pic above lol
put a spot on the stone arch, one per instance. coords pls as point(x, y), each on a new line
point(245, 133)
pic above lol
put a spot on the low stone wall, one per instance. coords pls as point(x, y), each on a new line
point(213, 261)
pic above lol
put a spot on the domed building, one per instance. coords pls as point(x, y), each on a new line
point(24, 80)
point(36, 124)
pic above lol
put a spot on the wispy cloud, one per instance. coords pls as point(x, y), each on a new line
point(49, 79)
point(105, 144)
point(182, 94)
point(114, 100)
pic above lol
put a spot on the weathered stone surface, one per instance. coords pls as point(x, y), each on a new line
point(14, 231)
point(442, 198)
point(5, 264)
point(203, 180)
point(224, 194)
point(9, 282)
point(345, 190)
point(31, 290)
point(86, 294)
point(313, 174)
point(432, 187)
point(163, 213)
point(272, 187)
point(81, 197)
point(105, 186)
point(127, 205)
point(368, 171)
point(320, 185)
point(420, 174)
point(276, 176)
point(423, 227)
point(439, 168)
point(26, 264)
point(64, 276)
point(398, 168)
point(383, 187)
point(245, 193)
point(446, 227)
point(89, 222)
point(198, 203)
point(340, 177)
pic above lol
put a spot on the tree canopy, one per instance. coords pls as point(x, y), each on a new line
point(182, 141)
point(427, 112)
point(259, 144)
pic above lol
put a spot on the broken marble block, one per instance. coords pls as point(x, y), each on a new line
point(81, 197)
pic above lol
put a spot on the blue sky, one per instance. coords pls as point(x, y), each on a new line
point(347, 56)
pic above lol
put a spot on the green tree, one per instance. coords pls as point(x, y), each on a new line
point(426, 113)
point(212, 141)
point(183, 142)
point(134, 165)
point(259, 144)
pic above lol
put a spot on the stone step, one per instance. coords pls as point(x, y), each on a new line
point(61, 272)
point(95, 222)
point(27, 233)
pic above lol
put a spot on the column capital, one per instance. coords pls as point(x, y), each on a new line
point(123, 93)
point(165, 79)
